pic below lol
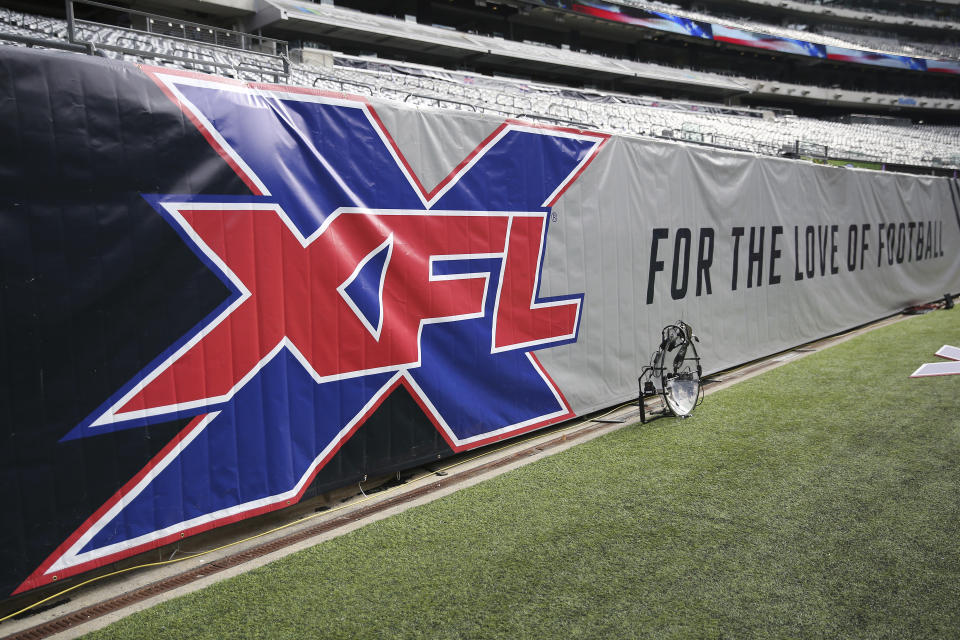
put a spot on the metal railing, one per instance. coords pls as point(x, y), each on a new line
point(440, 102)
point(345, 86)
point(32, 41)
point(262, 57)
point(536, 117)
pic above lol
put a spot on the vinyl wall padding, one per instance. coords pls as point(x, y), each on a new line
point(219, 298)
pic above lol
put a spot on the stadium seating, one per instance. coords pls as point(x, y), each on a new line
point(748, 130)
point(743, 129)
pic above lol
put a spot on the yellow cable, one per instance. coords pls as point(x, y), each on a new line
point(354, 503)
point(193, 555)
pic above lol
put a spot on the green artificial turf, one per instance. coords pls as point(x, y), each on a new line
point(821, 499)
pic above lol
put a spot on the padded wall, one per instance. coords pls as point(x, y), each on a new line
point(220, 298)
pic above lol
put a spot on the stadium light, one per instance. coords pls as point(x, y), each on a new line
point(673, 374)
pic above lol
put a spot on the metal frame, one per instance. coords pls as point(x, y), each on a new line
point(677, 339)
point(279, 72)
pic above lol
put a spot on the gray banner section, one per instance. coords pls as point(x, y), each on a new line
point(817, 250)
point(432, 141)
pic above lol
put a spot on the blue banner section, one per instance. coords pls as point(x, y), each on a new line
point(456, 356)
point(264, 443)
point(309, 156)
point(518, 174)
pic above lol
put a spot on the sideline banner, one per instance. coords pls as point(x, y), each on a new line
point(219, 298)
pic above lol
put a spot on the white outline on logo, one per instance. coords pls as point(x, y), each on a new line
point(342, 289)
